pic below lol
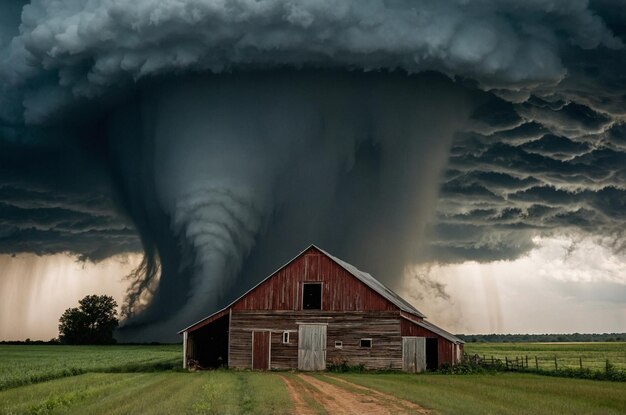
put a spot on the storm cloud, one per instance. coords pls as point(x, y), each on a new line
point(216, 136)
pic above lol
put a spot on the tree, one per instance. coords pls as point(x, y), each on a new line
point(92, 322)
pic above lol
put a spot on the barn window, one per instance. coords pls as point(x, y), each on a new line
point(338, 345)
point(366, 343)
point(312, 296)
point(285, 337)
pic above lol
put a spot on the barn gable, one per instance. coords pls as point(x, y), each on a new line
point(353, 289)
point(376, 285)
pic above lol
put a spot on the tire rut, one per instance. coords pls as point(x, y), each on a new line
point(339, 400)
point(300, 406)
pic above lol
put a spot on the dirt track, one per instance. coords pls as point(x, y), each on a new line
point(318, 395)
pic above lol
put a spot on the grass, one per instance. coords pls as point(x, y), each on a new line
point(85, 380)
point(20, 365)
point(217, 392)
point(503, 393)
point(243, 392)
point(594, 355)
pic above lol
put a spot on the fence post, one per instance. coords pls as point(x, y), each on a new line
point(516, 362)
point(506, 359)
point(536, 363)
point(492, 361)
point(580, 360)
point(556, 366)
point(526, 361)
point(607, 366)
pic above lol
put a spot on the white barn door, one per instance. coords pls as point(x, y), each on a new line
point(413, 354)
point(312, 347)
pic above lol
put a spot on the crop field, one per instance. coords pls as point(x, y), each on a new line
point(568, 355)
point(25, 364)
point(148, 379)
point(242, 392)
point(217, 392)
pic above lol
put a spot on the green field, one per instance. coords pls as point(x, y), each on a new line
point(148, 379)
point(569, 355)
point(218, 392)
point(233, 392)
point(502, 393)
point(25, 364)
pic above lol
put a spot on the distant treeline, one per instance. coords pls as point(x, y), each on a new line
point(29, 341)
point(514, 338)
point(56, 342)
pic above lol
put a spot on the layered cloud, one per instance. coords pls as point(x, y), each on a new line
point(55, 198)
point(79, 49)
point(551, 169)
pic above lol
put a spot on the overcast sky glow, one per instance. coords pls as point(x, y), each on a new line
point(561, 286)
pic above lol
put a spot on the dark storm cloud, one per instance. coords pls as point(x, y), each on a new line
point(562, 170)
point(54, 198)
point(556, 147)
point(615, 137)
point(320, 97)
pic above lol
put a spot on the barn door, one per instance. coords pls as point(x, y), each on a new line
point(312, 347)
point(261, 350)
point(413, 354)
point(432, 354)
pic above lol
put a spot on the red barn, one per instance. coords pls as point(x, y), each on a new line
point(315, 310)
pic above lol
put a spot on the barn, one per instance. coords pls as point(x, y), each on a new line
point(314, 311)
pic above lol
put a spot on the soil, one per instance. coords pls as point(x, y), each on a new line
point(336, 399)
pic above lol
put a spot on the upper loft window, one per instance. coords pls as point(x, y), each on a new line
point(312, 296)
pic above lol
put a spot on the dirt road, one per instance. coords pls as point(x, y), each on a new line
point(332, 395)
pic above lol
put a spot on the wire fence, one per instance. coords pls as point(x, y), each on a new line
point(569, 365)
point(554, 362)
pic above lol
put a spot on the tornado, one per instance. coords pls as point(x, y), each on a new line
point(223, 137)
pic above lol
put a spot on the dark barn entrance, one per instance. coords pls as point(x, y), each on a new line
point(432, 354)
point(209, 344)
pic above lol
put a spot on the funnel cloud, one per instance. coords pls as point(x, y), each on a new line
point(218, 138)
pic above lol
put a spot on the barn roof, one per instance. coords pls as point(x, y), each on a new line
point(374, 284)
point(437, 330)
point(364, 277)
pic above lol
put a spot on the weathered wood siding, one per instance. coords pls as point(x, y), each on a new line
point(445, 348)
point(207, 321)
point(383, 327)
point(312, 346)
point(261, 350)
point(341, 291)
point(414, 354)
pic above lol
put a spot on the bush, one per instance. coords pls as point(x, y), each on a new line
point(341, 366)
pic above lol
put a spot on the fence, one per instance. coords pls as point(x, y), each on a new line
point(549, 363)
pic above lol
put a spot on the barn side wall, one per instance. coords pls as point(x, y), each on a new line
point(341, 291)
point(445, 348)
point(383, 327)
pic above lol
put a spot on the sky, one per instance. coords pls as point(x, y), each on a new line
point(469, 154)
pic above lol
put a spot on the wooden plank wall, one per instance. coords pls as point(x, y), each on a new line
point(341, 291)
point(414, 354)
point(261, 350)
point(383, 327)
point(312, 346)
point(445, 348)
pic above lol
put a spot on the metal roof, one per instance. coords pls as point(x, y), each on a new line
point(364, 277)
point(437, 330)
point(374, 284)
